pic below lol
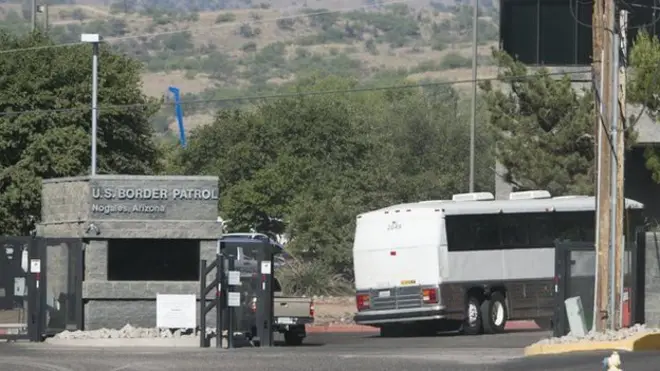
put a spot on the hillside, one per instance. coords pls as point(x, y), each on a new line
point(218, 49)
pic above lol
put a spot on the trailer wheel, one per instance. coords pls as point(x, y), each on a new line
point(473, 316)
point(494, 313)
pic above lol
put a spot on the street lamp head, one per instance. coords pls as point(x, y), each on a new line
point(90, 38)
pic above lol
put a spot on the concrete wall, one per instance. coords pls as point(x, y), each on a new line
point(122, 206)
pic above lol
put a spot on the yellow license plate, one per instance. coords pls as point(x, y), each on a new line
point(408, 282)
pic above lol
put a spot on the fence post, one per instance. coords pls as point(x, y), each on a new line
point(202, 304)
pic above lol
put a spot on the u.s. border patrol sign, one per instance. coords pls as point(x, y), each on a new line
point(166, 198)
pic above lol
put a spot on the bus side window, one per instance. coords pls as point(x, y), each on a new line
point(541, 231)
point(570, 226)
point(513, 228)
point(587, 221)
point(460, 236)
point(486, 231)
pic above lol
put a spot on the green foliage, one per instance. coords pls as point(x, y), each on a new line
point(225, 17)
point(41, 145)
point(324, 20)
point(370, 46)
point(258, 68)
point(396, 27)
point(644, 89)
point(454, 60)
point(179, 41)
point(307, 166)
point(248, 31)
point(309, 278)
point(544, 129)
point(249, 47)
point(286, 24)
point(438, 45)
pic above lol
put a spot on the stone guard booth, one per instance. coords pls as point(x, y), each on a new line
point(142, 235)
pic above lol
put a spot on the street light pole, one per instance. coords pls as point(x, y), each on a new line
point(44, 10)
point(93, 39)
point(473, 113)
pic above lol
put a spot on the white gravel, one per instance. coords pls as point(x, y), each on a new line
point(600, 336)
point(129, 336)
point(126, 332)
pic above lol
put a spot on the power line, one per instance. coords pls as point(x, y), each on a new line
point(206, 29)
point(295, 94)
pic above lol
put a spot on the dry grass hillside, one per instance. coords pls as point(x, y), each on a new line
point(257, 48)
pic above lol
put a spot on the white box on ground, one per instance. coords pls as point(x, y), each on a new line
point(176, 311)
point(234, 299)
point(575, 314)
point(234, 278)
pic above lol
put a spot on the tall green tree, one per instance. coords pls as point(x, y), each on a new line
point(308, 165)
point(45, 120)
point(544, 128)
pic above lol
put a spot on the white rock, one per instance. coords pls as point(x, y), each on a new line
point(608, 335)
point(127, 332)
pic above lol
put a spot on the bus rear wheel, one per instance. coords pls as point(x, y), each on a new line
point(494, 313)
point(473, 316)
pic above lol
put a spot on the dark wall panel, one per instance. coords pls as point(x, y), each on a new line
point(519, 29)
point(547, 32)
point(557, 33)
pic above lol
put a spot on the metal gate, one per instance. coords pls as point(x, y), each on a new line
point(575, 267)
point(34, 304)
point(18, 300)
point(247, 254)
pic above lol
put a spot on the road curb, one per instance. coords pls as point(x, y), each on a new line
point(649, 341)
point(521, 325)
point(353, 328)
point(332, 328)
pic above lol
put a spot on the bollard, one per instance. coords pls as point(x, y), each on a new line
point(612, 363)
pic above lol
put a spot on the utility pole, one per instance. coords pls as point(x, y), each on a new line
point(34, 15)
point(619, 245)
point(473, 111)
point(614, 163)
point(46, 20)
point(602, 26)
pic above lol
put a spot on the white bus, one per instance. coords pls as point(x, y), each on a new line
point(472, 260)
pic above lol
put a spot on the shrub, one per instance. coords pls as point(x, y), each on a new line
point(311, 278)
point(226, 17)
point(455, 60)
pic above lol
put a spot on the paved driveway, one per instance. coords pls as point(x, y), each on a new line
point(322, 352)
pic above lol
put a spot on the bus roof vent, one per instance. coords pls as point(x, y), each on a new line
point(569, 197)
point(529, 195)
point(477, 196)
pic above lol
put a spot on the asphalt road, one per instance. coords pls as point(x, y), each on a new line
point(322, 352)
